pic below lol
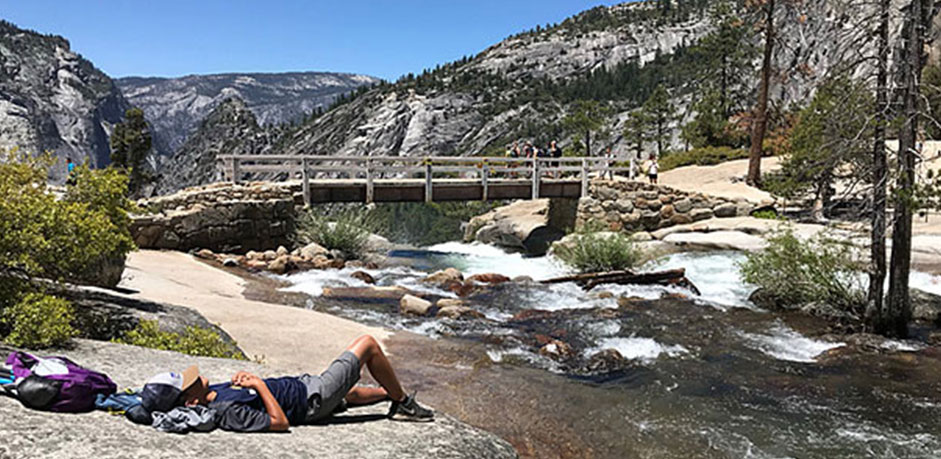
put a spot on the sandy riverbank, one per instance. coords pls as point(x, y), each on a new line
point(289, 339)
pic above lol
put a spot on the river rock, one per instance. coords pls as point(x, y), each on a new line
point(523, 225)
point(606, 361)
point(282, 251)
point(281, 265)
point(523, 280)
point(205, 254)
point(414, 305)
point(313, 250)
point(725, 210)
point(253, 255)
point(363, 276)
point(455, 309)
point(230, 262)
point(926, 306)
point(556, 349)
point(488, 278)
point(444, 277)
point(394, 293)
point(270, 255)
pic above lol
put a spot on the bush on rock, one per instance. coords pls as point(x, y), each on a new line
point(39, 321)
point(593, 250)
point(78, 236)
point(796, 272)
point(345, 231)
point(195, 341)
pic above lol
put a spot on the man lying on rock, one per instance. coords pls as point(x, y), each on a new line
point(251, 404)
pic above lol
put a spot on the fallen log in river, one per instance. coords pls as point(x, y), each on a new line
point(588, 281)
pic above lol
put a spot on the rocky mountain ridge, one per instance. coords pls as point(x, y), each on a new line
point(53, 99)
point(175, 107)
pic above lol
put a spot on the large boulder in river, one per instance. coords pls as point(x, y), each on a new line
point(444, 277)
point(926, 306)
point(523, 226)
point(414, 305)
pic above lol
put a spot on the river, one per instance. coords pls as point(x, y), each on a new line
point(698, 376)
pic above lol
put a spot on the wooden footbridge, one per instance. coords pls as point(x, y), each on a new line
point(395, 179)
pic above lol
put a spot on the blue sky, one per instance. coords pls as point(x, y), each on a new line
point(382, 38)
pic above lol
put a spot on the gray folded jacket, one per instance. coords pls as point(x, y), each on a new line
point(183, 419)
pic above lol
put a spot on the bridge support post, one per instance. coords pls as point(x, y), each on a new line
point(305, 183)
point(235, 170)
point(584, 177)
point(429, 192)
point(535, 178)
point(369, 184)
point(484, 174)
point(631, 172)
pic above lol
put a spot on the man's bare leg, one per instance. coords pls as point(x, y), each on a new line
point(370, 354)
point(365, 395)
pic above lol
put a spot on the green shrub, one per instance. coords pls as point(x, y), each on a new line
point(195, 341)
point(346, 230)
point(796, 272)
point(706, 156)
point(767, 214)
point(592, 250)
point(38, 321)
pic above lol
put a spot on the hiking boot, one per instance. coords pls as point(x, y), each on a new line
point(410, 410)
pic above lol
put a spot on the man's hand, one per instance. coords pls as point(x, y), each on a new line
point(279, 422)
point(247, 380)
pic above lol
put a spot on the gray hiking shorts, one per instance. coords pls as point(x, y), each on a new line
point(326, 390)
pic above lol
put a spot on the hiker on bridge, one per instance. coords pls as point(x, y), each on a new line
point(248, 403)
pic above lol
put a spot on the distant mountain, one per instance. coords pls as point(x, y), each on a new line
point(53, 99)
point(176, 106)
point(230, 128)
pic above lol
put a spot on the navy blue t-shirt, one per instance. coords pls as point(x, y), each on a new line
point(242, 410)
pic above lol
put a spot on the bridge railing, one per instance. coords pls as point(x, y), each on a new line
point(485, 170)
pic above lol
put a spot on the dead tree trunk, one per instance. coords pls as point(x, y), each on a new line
point(672, 277)
point(875, 311)
point(898, 307)
point(760, 118)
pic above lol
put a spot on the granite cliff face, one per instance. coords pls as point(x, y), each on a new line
point(53, 99)
point(176, 106)
point(231, 128)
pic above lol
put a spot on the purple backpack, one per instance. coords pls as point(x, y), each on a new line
point(72, 389)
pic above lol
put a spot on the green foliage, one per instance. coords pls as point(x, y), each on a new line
point(724, 66)
point(796, 272)
point(592, 250)
point(829, 142)
point(346, 230)
point(38, 321)
point(55, 239)
point(586, 117)
point(424, 224)
point(635, 132)
point(706, 156)
point(130, 144)
point(194, 341)
point(931, 90)
point(711, 126)
point(767, 215)
point(660, 113)
point(41, 236)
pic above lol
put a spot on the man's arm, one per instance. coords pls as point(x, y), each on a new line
point(279, 422)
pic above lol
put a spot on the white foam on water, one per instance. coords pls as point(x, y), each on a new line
point(784, 343)
point(925, 282)
point(901, 346)
point(636, 348)
point(477, 258)
point(715, 274)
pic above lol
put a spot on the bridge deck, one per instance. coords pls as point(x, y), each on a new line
point(399, 190)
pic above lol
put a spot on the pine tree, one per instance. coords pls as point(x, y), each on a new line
point(131, 142)
point(659, 113)
point(586, 117)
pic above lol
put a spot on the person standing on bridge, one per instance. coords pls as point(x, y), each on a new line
point(555, 152)
point(652, 170)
